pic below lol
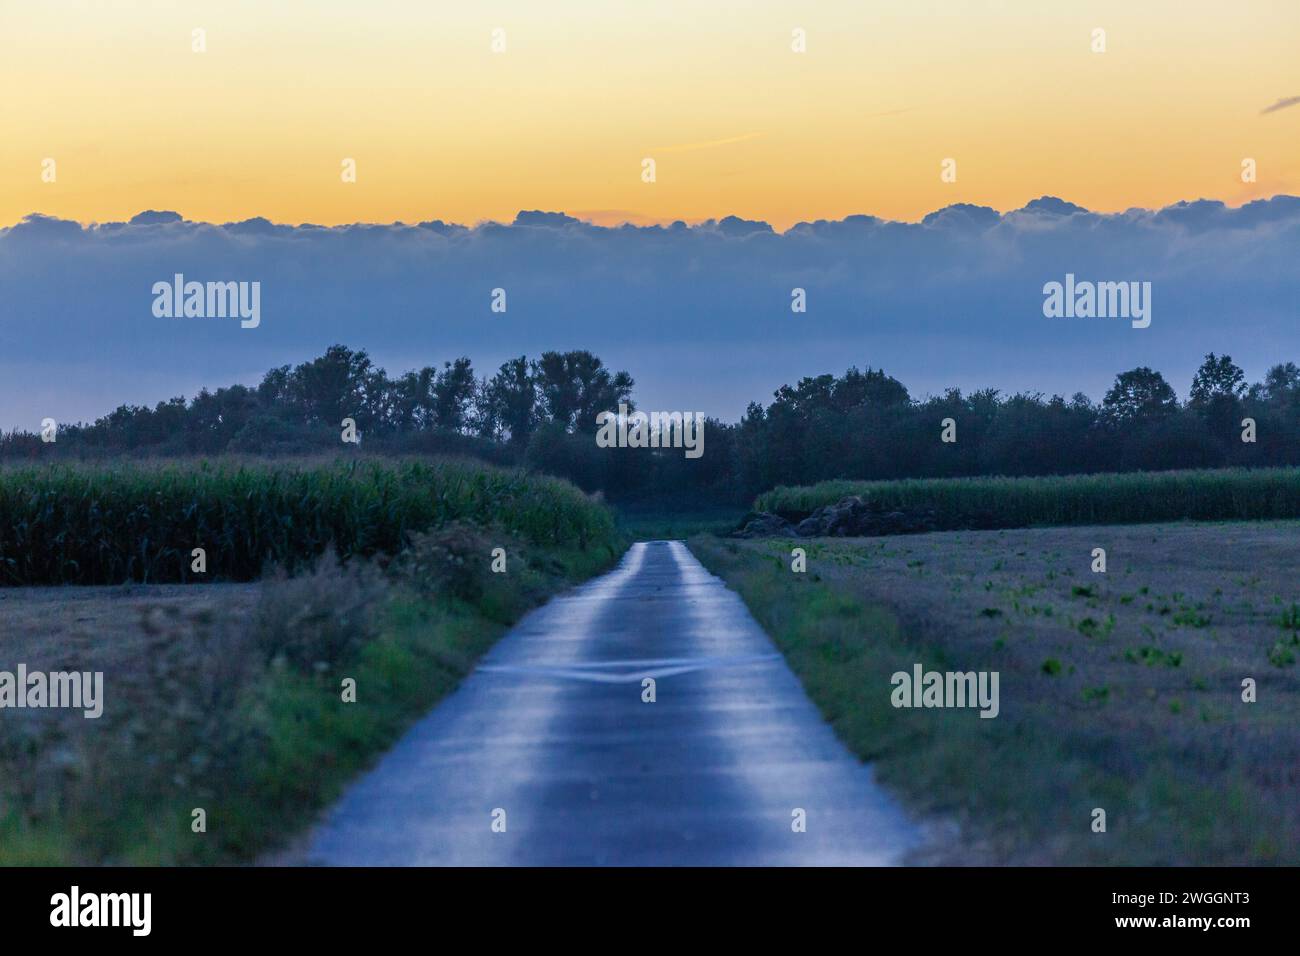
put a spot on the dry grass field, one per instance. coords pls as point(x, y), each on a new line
point(1121, 690)
point(103, 628)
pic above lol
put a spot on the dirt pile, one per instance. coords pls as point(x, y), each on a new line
point(851, 517)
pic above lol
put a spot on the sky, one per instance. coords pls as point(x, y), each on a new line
point(830, 164)
point(442, 127)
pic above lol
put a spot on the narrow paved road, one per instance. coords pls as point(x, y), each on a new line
point(551, 729)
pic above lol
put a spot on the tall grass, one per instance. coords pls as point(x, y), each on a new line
point(1132, 498)
point(97, 524)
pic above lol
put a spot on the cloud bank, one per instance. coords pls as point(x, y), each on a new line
point(699, 314)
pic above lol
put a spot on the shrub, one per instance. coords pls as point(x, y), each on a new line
point(314, 621)
point(454, 560)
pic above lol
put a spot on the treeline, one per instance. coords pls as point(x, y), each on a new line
point(541, 414)
point(297, 409)
point(864, 425)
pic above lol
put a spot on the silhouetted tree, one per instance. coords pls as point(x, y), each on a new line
point(508, 403)
point(575, 387)
point(1281, 386)
point(1139, 395)
point(1218, 380)
point(453, 394)
point(335, 386)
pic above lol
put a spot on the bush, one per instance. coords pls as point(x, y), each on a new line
point(454, 561)
point(317, 620)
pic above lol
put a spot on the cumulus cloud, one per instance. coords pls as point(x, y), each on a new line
point(699, 314)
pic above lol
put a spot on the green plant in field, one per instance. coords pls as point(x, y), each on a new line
point(1152, 656)
point(1282, 654)
point(1089, 627)
point(1290, 619)
point(1086, 591)
point(86, 524)
point(1191, 617)
point(1051, 667)
point(1129, 498)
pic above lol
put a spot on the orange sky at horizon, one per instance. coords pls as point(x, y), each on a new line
point(738, 123)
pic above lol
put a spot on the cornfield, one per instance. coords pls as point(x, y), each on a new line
point(87, 524)
point(1130, 498)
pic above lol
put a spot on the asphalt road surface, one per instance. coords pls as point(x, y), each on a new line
point(548, 755)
